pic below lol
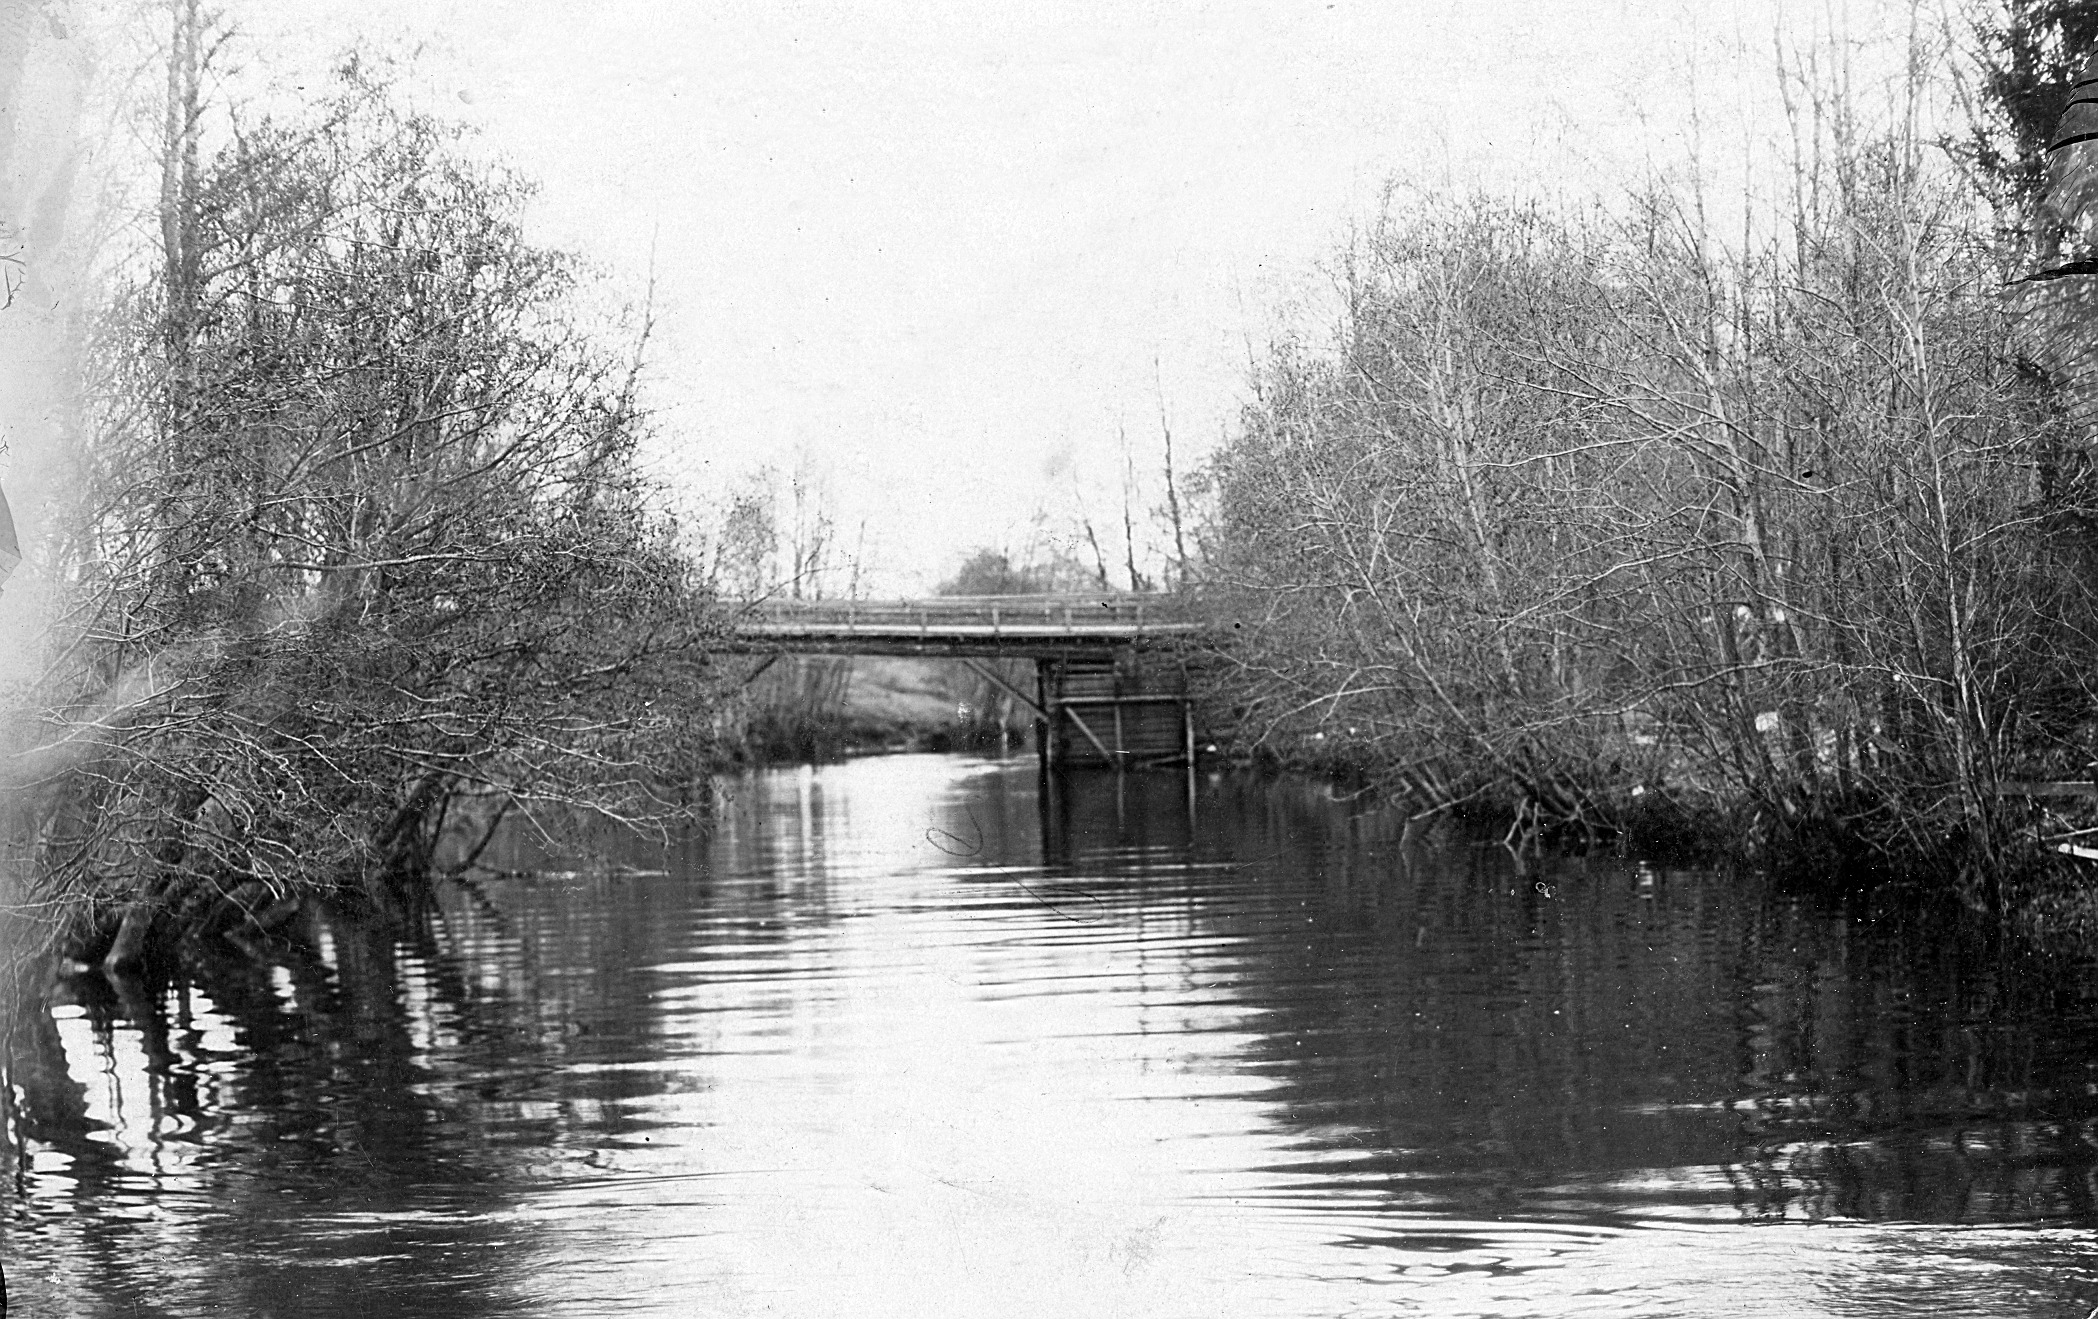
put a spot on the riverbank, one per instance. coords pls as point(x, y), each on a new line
point(1653, 808)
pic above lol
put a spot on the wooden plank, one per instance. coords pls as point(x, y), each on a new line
point(926, 626)
point(2046, 788)
point(996, 677)
point(1116, 616)
point(1092, 737)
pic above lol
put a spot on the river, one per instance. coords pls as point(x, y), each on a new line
point(902, 1038)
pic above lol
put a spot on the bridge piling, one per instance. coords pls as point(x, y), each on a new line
point(1116, 711)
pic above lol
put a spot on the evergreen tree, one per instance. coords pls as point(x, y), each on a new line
point(2031, 54)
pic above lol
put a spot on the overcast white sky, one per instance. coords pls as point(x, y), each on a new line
point(947, 249)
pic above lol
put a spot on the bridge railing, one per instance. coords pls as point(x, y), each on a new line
point(1000, 614)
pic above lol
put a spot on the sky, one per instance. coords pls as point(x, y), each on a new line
point(944, 256)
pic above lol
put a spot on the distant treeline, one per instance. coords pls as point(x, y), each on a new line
point(1763, 532)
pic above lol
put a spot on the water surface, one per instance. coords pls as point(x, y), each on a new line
point(903, 1037)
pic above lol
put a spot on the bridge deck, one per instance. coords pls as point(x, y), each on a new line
point(1024, 626)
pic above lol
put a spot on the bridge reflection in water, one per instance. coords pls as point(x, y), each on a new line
point(1110, 670)
point(897, 1037)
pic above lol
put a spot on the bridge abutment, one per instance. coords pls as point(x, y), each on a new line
point(1115, 710)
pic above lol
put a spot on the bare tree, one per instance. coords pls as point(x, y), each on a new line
point(1583, 515)
point(1182, 566)
point(746, 547)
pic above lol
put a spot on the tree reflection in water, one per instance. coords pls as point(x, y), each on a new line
point(1342, 1048)
point(1594, 1039)
point(269, 1139)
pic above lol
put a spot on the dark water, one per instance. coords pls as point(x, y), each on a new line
point(903, 1040)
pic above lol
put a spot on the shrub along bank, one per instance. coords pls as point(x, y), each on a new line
point(355, 542)
point(1609, 522)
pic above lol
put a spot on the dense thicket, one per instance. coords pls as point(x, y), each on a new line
point(360, 543)
point(1607, 518)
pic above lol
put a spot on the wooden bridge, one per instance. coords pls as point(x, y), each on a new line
point(1110, 678)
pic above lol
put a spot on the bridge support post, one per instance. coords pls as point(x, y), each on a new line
point(1107, 711)
point(1044, 718)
